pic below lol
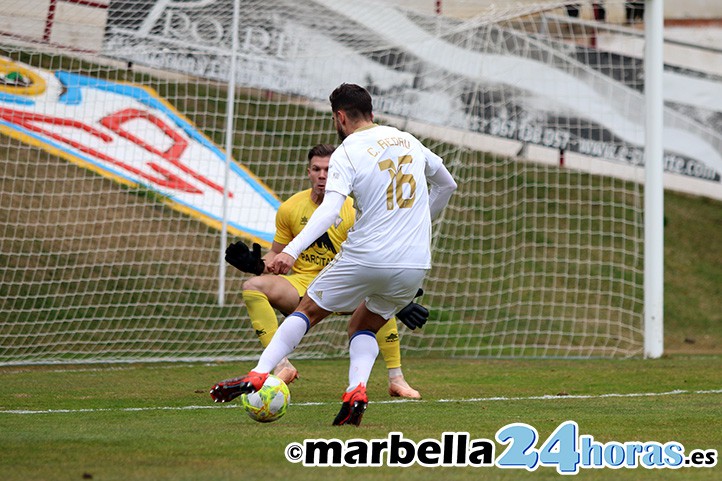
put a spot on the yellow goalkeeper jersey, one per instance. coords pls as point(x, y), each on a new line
point(291, 218)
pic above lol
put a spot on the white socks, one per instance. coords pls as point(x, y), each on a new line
point(284, 341)
point(362, 350)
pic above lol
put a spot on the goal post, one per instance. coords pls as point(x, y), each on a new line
point(118, 193)
point(654, 191)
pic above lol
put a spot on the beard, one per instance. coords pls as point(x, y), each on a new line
point(341, 134)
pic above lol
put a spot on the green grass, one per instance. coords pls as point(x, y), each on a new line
point(693, 274)
point(156, 422)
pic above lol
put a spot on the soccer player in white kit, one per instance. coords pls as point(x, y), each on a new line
point(399, 187)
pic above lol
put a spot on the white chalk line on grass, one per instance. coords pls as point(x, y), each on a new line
point(547, 397)
point(63, 370)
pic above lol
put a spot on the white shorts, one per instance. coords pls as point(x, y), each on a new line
point(341, 286)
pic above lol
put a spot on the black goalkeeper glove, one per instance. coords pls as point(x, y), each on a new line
point(239, 256)
point(414, 315)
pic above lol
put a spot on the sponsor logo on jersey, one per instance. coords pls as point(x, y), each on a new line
point(323, 244)
point(321, 252)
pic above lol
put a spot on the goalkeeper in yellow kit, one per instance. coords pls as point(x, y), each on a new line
point(266, 292)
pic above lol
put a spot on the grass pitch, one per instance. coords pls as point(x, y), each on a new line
point(157, 422)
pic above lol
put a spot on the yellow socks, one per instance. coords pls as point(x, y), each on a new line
point(263, 317)
point(388, 339)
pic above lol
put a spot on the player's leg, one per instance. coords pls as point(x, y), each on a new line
point(388, 291)
point(363, 350)
point(290, 333)
point(287, 337)
point(390, 348)
point(300, 282)
point(339, 292)
point(262, 294)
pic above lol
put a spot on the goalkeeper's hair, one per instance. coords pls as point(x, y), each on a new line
point(320, 150)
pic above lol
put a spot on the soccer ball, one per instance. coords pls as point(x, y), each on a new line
point(270, 403)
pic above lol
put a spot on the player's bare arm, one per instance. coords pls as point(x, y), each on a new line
point(276, 248)
point(281, 264)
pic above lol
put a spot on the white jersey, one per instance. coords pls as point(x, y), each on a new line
point(385, 170)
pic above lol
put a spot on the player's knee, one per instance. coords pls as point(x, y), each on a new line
point(253, 284)
point(354, 328)
point(313, 311)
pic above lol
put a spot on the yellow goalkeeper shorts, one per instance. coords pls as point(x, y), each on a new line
point(300, 282)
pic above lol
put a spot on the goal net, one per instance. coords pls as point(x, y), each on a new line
point(116, 191)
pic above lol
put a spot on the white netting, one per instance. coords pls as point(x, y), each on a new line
point(113, 173)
